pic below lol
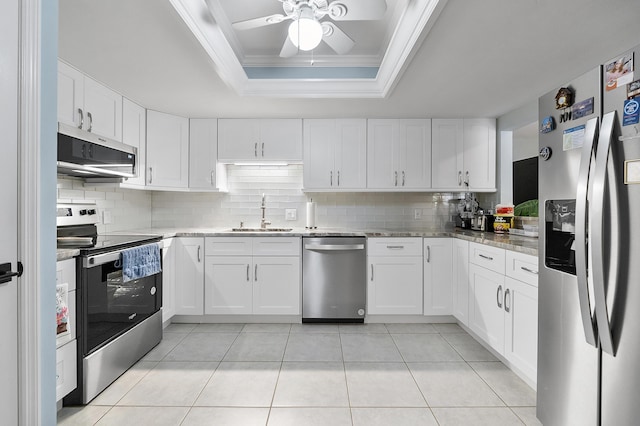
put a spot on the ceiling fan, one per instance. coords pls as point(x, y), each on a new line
point(307, 29)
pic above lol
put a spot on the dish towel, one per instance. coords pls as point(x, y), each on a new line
point(140, 262)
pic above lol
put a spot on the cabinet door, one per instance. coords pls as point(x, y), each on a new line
point(446, 149)
point(319, 145)
point(134, 133)
point(70, 95)
point(229, 285)
point(394, 285)
point(168, 279)
point(167, 150)
point(521, 326)
point(382, 153)
point(486, 314)
point(461, 280)
point(189, 281)
point(103, 110)
point(414, 154)
point(238, 139)
point(203, 153)
point(437, 276)
point(276, 285)
point(280, 139)
point(351, 154)
point(480, 153)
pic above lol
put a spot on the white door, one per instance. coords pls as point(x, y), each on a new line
point(446, 151)
point(414, 149)
point(394, 285)
point(8, 212)
point(319, 143)
point(238, 139)
point(382, 151)
point(229, 285)
point(521, 326)
point(486, 314)
point(280, 139)
point(167, 150)
point(134, 133)
point(351, 154)
point(461, 280)
point(438, 268)
point(480, 153)
point(276, 285)
point(103, 108)
point(189, 282)
point(203, 153)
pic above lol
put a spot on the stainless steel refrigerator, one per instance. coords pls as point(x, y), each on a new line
point(589, 248)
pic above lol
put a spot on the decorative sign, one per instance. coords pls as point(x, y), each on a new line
point(573, 138)
point(548, 125)
point(631, 171)
point(619, 72)
point(564, 98)
point(633, 89)
point(631, 112)
point(582, 109)
point(545, 153)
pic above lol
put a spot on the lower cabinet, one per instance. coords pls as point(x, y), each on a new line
point(438, 267)
point(168, 278)
point(486, 310)
point(189, 275)
point(460, 281)
point(66, 367)
point(253, 283)
point(521, 326)
point(394, 276)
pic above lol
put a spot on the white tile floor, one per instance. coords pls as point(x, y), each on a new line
point(282, 374)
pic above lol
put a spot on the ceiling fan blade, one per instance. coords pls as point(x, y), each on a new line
point(288, 49)
point(259, 22)
point(357, 10)
point(336, 38)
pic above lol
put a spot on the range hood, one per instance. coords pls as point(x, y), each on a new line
point(89, 156)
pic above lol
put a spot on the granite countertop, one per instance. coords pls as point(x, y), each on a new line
point(517, 243)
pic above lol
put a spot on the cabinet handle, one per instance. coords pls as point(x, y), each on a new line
point(395, 178)
point(485, 257)
point(403, 178)
point(338, 177)
point(255, 273)
point(395, 247)
point(90, 121)
point(466, 178)
point(428, 254)
point(331, 177)
point(212, 180)
point(499, 296)
point(81, 118)
point(372, 272)
point(507, 308)
point(247, 272)
point(263, 149)
point(531, 271)
point(150, 174)
point(459, 178)
point(199, 254)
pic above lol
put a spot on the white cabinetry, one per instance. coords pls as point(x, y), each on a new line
point(399, 154)
point(464, 154)
point(335, 154)
point(438, 268)
point(503, 310)
point(246, 275)
point(168, 278)
point(134, 133)
point(189, 275)
point(461, 280)
point(394, 276)
point(204, 171)
point(259, 140)
point(66, 368)
point(87, 104)
point(167, 150)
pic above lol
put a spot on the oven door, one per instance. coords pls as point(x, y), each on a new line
point(110, 305)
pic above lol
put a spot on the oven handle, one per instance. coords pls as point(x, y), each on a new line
point(101, 259)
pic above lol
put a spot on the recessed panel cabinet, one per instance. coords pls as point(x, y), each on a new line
point(335, 154)
point(438, 267)
point(167, 150)
point(399, 154)
point(249, 139)
point(204, 172)
point(134, 133)
point(189, 275)
point(460, 281)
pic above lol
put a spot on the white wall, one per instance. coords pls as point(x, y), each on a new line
point(525, 142)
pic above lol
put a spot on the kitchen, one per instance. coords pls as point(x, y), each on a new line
point(333, 210)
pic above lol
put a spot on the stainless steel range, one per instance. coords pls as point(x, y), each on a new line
point(118, 299)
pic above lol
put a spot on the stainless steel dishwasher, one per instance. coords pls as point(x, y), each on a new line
point(334, 279)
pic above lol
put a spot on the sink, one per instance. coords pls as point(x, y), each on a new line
point(261, 229)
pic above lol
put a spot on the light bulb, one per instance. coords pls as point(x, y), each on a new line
point(306, 32)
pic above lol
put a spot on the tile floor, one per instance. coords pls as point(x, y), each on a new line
point(313, 374)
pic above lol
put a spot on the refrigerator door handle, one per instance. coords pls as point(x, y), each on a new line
point(582, 263)
point(599, 288)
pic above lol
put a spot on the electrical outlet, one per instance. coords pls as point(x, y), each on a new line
point(106, 217)
point(290, 214)
point(417, 214)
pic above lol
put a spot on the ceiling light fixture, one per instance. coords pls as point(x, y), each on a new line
point(305, 32)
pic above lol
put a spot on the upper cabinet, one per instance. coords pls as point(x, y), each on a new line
point(464, 154)
point(399, 154)
point(204, 172)
point(87, 104)
point(259, 140)
point(335, 154)
point(134, 133)
point(167, 150)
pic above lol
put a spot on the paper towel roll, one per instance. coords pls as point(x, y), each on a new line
point(311, 215)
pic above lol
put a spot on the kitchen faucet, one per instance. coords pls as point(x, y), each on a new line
point(263, 222)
